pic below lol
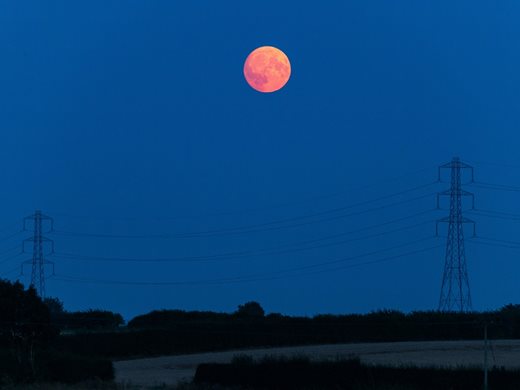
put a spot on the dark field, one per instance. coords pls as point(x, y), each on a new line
point(173, 369)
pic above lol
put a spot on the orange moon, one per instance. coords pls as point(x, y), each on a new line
point(267, 69)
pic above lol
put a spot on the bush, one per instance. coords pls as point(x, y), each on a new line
point(68, 368)
point(54, 367)
point(10, 370)
point(250, 310)
point(350, 374)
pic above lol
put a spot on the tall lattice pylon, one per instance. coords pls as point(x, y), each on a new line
point(455, 291)
point(39, 242)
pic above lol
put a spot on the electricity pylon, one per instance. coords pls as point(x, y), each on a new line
point(38, 261)
point(455, 292)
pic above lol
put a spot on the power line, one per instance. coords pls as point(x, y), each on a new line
point(504, 213)
point(5, 260)
point(489, 214)
point(498, 240)
point(6, 238)
point(10, 250)
point(496, 164)
point(271, 275)
point(386, 259)
point(9, 228)
point(498, 187)
point(10, 271)
point(234, 255)
point(346, 259)
point(492, 244)
point(236, 280)
point(455, 280)
point(495, 243)
point(268, 226)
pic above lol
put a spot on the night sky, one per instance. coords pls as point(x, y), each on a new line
point(173, 184)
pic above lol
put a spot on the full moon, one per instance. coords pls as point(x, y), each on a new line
point(267, 69)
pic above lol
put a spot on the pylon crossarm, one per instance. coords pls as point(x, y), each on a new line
point(43, 239)
point(472, 195)
point(437, 228)
point(447, 165)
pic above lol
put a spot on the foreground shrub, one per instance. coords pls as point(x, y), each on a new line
point(54, 367)
point(348, 374)
point(68, 368)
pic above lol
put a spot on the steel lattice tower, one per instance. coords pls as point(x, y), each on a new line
point(38, 261)
point(455, 292)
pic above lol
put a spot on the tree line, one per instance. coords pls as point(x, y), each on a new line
point(35, 334)
point(29, 335)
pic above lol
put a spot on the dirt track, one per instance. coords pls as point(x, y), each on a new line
point(172, 369)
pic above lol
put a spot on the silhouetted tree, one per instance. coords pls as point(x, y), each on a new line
point(25, 322)
point(169, 318)
point(250, 310)
point(91, 320)
point(509, 317)
point(511, 309)
point(56, 310)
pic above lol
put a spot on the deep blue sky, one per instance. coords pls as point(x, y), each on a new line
point(133, 118)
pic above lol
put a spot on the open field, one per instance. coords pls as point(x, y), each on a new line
point(173, 369)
